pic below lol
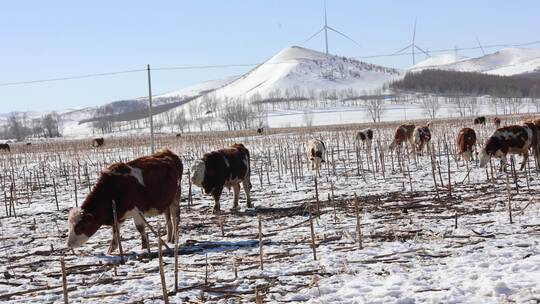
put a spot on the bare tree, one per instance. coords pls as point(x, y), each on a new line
point(472, 105)
point(430, 105)
point(534, 94)
point(375, 108)
point(308, 118)
point(459, 104)
point(52, 123)
point(180, 120)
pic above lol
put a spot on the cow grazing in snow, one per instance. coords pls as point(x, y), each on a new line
point(260, 131)
point(227, 167)
point(508, 140)
point(5, 147)
point(497, 122)
point(403, 133)
point(315, 152)
point(480, 120)
point(422, 137)
point(98, 142)
point(466, 141)
point(149, 185)
point(366, 137)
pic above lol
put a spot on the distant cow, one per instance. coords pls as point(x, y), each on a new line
point(178, 135)
point(260, 131)
point(466, 141)
point(480, 120)
point(315, 152)
point(149, 185)
point(508, 140)
point(497, 122)
point(403, 133)
point(422, 137)
point(366, 137)
point(28, 143)
point(98, 142)
point(227, 167)
point(5, 147)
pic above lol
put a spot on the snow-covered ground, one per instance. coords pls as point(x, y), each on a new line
point(411, 251)
point(280, 118)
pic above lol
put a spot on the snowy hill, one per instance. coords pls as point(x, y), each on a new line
point(437, 61)
point(308, 69)
point(200, 88)
point(507, 62)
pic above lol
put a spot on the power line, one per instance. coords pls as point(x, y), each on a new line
point(5, 84)
point(216, 66)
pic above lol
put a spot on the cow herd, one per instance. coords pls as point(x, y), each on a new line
point(150, 185)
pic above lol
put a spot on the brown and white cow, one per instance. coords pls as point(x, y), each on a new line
point(316, 152)
point(148, 185)
point(513, 139)
point(5, 147)
point(497, 122)
point(260, 131)
point(366, 137)
point(403, 133)
point(422, 137)
point(98, 142)
point(466, 141)
point(227, 167)
point(480, 120)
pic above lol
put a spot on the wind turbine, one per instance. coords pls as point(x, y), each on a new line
point(413, 46)
point(325, 28)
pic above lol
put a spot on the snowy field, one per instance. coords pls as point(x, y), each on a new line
point(431, 231)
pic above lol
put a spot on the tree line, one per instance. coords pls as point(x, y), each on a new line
point(20, 127)
point(453, 82)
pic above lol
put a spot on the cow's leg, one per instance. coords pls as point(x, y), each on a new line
point(173, 215)
point(503, 163)
point(525, 158)
point(139, 224)
point(114, 244)
point(236, 194)
point(217, 194)
point(170, 230)
point(246, 184)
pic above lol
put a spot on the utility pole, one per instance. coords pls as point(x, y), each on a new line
point(150, 118)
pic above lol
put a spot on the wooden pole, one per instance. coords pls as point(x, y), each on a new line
point(358, 224)
point(55, 195)
point(261, 256)
point(64, 280)
point(150, 117)
point(312, 234)
point(509, 198)
point(162, 273)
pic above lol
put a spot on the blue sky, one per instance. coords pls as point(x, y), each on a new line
point(48, 39)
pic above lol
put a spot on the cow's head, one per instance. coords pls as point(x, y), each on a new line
point(198, 169)
point(82, 226)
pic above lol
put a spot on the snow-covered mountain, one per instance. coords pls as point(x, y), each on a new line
point(506, 62)
point(308, 69)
